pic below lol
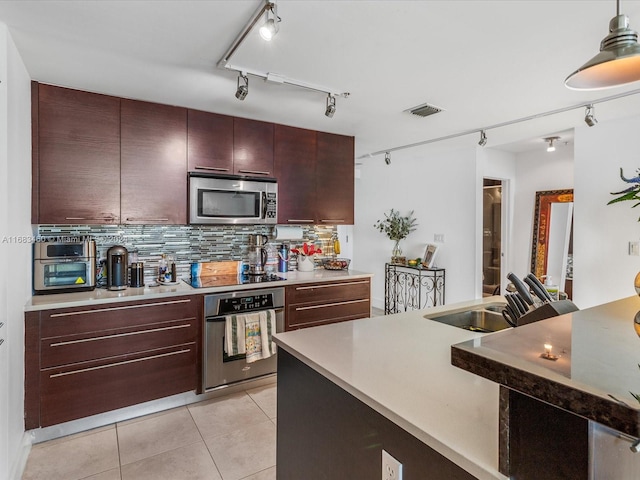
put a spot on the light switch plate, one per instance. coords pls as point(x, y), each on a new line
point(438, 237)
point(634, 249)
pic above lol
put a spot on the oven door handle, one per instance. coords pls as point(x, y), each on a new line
point(221, 318)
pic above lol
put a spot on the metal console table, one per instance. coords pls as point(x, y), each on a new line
point(412, 288)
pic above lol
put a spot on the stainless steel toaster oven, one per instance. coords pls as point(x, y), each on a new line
point(64, 266)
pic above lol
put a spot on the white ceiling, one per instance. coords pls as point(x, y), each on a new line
point(483, 62)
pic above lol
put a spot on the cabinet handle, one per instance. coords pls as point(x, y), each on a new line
point(325, 305)
point(254, 172)
point(324, 220)
point(215, 169)
point(143, 219)
point(139, 332)
point(144, 359)
point(107, 219)
point(111, 309)
point(295, 220)
point(330, 285)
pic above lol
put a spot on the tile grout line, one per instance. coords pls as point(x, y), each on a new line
point(205, 443)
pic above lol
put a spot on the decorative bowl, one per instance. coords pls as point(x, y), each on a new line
point(336, 263)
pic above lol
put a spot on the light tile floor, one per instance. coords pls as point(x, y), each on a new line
point(227, 438)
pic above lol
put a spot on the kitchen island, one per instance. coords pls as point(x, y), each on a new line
point(347, 391)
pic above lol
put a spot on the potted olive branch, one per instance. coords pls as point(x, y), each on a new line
point(396, 227)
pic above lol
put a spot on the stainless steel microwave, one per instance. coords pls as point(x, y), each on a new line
point(232, 200)
point(64, 266)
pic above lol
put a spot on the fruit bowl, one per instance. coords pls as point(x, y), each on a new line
point(336, 263)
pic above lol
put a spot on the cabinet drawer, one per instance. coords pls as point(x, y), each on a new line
point(329, 292)
point(96, 345)
point(309, 315)
point(89, 388)
point(82, 320)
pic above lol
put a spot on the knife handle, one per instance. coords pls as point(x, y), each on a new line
point(521, 287)
point(537, 288)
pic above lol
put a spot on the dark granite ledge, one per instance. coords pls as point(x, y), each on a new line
point(594, 407)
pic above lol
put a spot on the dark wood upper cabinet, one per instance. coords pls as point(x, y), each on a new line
point(335, 179)
point(295, 169)
point(253, 148)
point(209, 142)
point(153, 163)
point(76, 157)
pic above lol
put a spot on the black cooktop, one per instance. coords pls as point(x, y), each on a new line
point(226, 280)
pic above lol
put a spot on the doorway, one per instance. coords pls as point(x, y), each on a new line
point(491, 236)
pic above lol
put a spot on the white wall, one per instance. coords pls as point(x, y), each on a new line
point(15, 256)
point(536, 171)
point(441, 187)
point(603, 270)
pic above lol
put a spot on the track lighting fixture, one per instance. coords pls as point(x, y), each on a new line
point(271, 20)
point(618, 62)
point(243, 90)
point(387, 158)
point(589, 117)
point(483, 138)
point(331, 105)
point(550, 140)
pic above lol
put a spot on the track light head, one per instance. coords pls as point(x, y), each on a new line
point(550, 140)
point(387, 158)
point(331, 106)
point(270, 27)
point(243, 89)
point(589, 117)
point(483, 138)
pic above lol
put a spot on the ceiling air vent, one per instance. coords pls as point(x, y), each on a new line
point(424, 110)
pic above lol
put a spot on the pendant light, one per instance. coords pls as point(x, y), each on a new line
point(618, 62)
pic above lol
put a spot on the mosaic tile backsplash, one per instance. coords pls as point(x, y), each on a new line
point(187, 243)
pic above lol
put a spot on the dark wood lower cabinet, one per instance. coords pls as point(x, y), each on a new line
point(313, 304)
point(89, 360)
point(326, 433)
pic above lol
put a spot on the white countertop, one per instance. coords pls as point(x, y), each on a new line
point(399, 365)
point(102, 295)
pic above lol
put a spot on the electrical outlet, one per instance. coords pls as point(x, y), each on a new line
point(391, 468)
point(634, 248)
point(438, 237)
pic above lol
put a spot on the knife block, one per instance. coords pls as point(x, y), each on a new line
point(548, 310)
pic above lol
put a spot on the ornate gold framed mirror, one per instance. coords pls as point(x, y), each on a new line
point(542, 226)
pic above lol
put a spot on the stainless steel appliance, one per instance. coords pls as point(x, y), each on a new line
point(117, 268)
point(67, 266)
point(229, 280)
point(257, 254)
point(219, 368)
point(231, 199)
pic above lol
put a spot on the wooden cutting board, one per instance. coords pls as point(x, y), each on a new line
point(209, 269)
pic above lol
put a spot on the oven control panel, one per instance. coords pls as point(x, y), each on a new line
point(245, 304)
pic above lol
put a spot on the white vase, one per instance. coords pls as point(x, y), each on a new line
point(305, 263)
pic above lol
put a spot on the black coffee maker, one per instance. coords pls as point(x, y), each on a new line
point(117, 268)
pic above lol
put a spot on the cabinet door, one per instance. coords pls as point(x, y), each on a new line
point(335, 179)
point(295, 160)
point(153, 163)
point(78, 177)
point(252, 148)
point(209, 142)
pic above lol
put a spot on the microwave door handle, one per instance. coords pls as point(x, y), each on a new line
point(264, 205)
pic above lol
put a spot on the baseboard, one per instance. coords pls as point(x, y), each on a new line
point(16, 468)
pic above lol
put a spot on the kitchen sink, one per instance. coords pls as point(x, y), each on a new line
point(478, 320)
